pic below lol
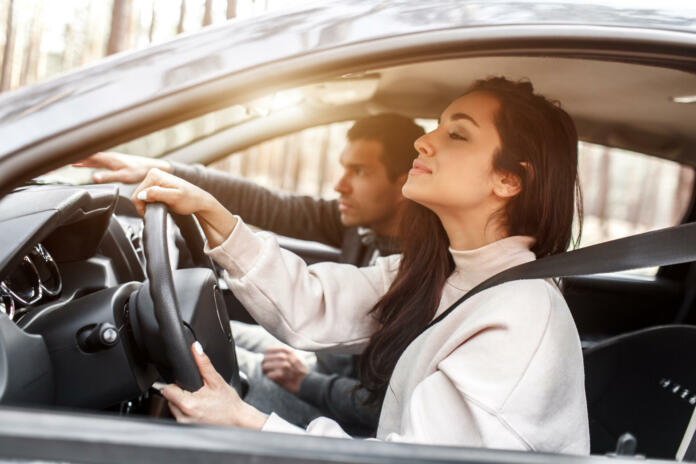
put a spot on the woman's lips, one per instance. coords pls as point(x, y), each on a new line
point(419, 168)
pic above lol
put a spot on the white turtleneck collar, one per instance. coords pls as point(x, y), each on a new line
point(474, 266)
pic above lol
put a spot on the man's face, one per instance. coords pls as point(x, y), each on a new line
point(368, 197)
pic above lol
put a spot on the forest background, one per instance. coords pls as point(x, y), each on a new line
point(44, 38)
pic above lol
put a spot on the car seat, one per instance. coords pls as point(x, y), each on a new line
point(643, 383)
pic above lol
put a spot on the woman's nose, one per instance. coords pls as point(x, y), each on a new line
point(423, 146)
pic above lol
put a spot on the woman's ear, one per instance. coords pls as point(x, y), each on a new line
point(506, 184)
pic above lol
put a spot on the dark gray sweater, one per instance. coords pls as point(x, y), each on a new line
point(331, 386)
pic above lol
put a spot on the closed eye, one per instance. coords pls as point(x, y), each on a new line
point(455, 136)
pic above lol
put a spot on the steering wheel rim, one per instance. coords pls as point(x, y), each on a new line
point(165, 303)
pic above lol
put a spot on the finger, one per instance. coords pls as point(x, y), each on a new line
point(274, 357)
point(173, 394)
point(91, 161)
point(178, 414)
point(269, 361)
point(153, 177)
point(275, 365)
point(208, 373)
point(138, 199)
point(111, 176)
point(278, 349)
point(168, 196)
point(101, 160)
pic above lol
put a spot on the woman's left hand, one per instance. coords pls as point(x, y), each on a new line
point(216, 402)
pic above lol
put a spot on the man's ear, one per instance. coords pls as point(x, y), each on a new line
point(506, 184)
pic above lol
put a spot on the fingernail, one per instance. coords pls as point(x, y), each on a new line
point(142, 195)
point(97, 177)
point(198, 348)
point(159, 386)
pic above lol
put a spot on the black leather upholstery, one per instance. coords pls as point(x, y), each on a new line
point(643, 383)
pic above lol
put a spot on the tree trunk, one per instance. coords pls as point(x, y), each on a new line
point(208, 15)
point(323, 162)
point(604, 179)
point(120, 26)
point(231, 9)
point(6, 74)
point(69, 51)
point(153, 21)
point(29, 51)
point(182, 17)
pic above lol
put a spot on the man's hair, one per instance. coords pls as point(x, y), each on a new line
point(396, 133)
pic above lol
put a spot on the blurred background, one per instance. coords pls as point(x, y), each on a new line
point(43, 38)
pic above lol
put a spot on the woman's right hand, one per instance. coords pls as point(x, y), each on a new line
point(185, 198)
point(128, 169)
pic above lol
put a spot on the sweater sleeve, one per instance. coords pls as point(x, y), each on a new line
point(325, 305)
point(298, 216)
point(337, 397)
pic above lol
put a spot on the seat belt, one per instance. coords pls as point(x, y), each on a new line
point(664, 247)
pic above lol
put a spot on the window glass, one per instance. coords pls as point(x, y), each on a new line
point(304, 163)
point(627, 193)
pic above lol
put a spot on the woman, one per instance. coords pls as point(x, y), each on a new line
point(493, 187)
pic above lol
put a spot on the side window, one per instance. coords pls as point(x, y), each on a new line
point(627, 193)
point(305, 162)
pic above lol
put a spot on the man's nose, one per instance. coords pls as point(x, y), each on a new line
point(342, 186)
point(423, 146)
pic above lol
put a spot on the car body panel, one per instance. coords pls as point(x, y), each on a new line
point(50, 124)
point(88, 438)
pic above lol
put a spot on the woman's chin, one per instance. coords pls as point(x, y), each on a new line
point(414, 192)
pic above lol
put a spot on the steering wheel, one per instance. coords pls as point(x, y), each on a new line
point(175, 308)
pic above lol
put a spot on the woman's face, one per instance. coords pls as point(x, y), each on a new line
point(453, 173)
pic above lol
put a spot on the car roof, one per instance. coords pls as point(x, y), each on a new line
point(213, 56)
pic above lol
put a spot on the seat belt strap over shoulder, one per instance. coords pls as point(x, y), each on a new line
point(664, 247)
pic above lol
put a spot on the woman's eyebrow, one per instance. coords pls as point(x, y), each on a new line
point(457, 116)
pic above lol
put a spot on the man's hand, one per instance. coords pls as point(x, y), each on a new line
point(127, 169)
point(284, 367)
point(216, 402)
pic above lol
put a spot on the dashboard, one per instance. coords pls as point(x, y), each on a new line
point(70, 257)
point(78, 328)
point(66, 242)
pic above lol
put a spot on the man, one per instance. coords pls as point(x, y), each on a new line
point(362, 222)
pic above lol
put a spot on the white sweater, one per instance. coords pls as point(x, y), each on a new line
point(504, 370)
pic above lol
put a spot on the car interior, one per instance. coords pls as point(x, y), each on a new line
point(78, 330)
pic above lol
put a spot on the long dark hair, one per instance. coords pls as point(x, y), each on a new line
point(539, 145)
